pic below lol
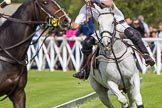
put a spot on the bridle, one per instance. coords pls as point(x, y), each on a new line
point(112, 34)
point(114, 22)
point(52, 19)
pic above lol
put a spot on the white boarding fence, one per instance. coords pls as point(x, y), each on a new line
point(57, 51)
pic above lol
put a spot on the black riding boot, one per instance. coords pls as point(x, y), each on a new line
point(87, 49)
point(135, 37)
point(84, 71)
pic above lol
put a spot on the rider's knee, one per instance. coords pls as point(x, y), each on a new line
point(132, 34)
point(88, 43)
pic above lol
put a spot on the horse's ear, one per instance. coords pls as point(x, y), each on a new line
point(97, 7)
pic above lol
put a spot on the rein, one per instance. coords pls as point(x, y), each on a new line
point(8, 17)
point(13, 60)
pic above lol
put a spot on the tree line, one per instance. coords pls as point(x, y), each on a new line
point(150, 9)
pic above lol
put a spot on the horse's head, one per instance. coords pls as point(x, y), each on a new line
point(106, 24)
point(51, 11)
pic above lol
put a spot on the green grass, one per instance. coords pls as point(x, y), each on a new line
point(151, 90)
point(48, 89)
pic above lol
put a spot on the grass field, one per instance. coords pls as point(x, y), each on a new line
point(47, 89)
point(151, 90)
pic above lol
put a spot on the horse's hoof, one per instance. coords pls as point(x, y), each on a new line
point(140, 106)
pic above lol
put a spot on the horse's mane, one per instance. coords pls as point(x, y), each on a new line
point(11, 30)
point(18, 14)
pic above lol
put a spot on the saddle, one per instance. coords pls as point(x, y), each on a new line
point(95, 62)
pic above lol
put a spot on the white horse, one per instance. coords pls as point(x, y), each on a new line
point(117, 69)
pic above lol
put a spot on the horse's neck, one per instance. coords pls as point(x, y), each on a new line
point(17, 29)
point(12, 33)
point(118, 46)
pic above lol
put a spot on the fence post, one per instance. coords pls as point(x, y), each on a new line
point(158, 57)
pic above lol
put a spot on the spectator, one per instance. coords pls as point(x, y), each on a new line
point(152, 34)
point(87, 28)
point(146, 28)
point(70, 34)
point(129, 21)
point(34, 42)
point(139, 27)
point(153, 31)
point(39, 32)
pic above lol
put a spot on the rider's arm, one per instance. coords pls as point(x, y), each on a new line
point(74, 25)
point(80, 18)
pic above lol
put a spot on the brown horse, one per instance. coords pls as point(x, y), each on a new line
point(15, 36)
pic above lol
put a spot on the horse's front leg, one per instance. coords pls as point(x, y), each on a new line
point(18, 99)
point(101, 92)
point(136, 90)
point(131, 98)
point(121, 98)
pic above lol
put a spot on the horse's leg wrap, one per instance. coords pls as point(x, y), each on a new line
point(136, 38)
point(87, 55)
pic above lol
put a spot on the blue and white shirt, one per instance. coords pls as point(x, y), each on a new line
point(85, 13)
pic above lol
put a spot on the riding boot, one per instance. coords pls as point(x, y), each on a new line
point(135, 37)
point(87, 55)
point(84, 71)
